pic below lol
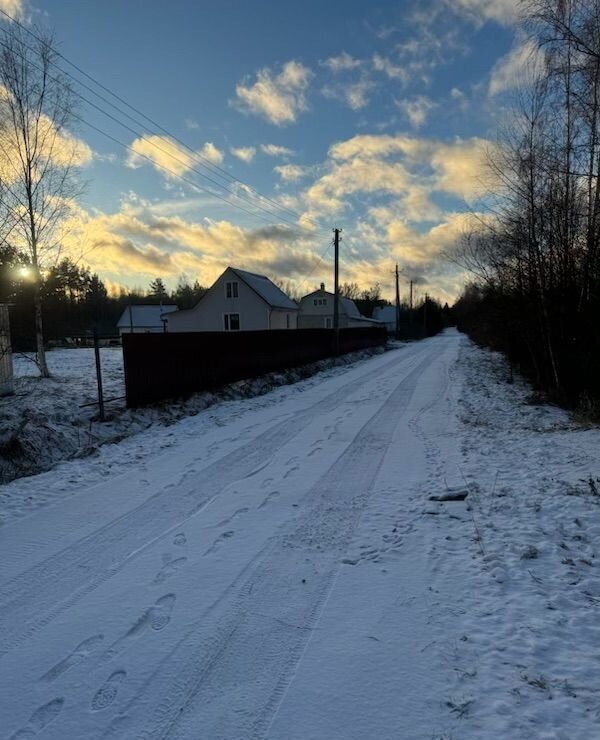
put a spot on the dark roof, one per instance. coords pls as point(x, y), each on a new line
point(144, 316)
point(266, 289)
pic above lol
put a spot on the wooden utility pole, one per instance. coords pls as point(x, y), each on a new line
point(425, 312)
point(411, 302)
point(336, 289)
point(397, 305)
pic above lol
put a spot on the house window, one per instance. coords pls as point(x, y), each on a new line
point(324, 301)
point(231, 321)
point(231, 289)
point(315, 301)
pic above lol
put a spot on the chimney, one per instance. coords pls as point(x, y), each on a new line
point(322, 286)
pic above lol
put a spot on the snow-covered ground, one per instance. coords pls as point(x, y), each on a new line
point(275, 567)
point(49, 420)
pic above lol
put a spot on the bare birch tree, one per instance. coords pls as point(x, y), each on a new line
point(38, 156)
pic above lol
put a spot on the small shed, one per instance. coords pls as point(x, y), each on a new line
point(144, 319)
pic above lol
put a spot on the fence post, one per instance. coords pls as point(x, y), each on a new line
point(98, 376)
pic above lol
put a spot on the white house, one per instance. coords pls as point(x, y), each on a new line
point(316, 312)
point(143, 319)
point(387, 315)
point(238, 301)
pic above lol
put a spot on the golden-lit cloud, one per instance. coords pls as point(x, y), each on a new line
point(138, 243)
point(278, 98)
point(58, 147)
point(245, 153)
point(290, 172)
point(462, 167)
point(166, 155)
point(408, 169)
point(13, 7)
point(385, 186)
point(273, 150)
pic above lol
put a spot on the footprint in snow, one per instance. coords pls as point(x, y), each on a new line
point(219, 541)
point(179, 539)
point(157, 617)
point(268, 498)
point(77, 656)
point(39, 719)
point(107, 693)
point(244, 510)
point(170, 566)
point(160, 613)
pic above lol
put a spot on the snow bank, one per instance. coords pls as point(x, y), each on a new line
point(527, 658)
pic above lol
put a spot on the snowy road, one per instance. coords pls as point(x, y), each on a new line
point(276, 576)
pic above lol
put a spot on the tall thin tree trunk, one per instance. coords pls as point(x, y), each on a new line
point(39, 332)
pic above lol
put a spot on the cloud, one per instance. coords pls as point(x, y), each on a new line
point(290, 172)
point(245, 153)
point(417, 109)
point(191, 125)
point(504, 12)
point(341, 63)
point(57, 146)
point(279, 98)
point(273, 150)
point(354, 94)
point(375, 146)
point(398, 175)
point(209, 151)
point(167, 156)
point(393, 71)
point(14, 8)
point(138, 243)
point(462, 167)
point(523, 63)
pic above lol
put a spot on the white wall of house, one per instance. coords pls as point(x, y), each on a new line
point(209, 314)
point(140, 330)
point(316, 311)
point(282, 319)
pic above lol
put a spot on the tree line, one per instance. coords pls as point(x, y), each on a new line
point(536, 296)
point(75, 300)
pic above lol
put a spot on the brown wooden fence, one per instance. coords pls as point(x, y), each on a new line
point(161, 366)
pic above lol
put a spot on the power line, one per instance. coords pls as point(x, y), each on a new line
point(159, 148)
point(164, 167)
point(211, 166)
point(321, 257)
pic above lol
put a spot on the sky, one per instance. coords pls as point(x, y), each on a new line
point(372, 116)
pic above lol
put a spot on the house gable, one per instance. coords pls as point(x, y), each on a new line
point(236, 299)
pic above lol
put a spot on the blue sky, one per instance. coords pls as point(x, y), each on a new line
point(371, 116)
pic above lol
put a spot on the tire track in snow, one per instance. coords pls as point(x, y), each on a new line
point(264, 623)
point(38, 595)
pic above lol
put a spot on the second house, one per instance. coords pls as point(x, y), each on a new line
point(238, 301)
